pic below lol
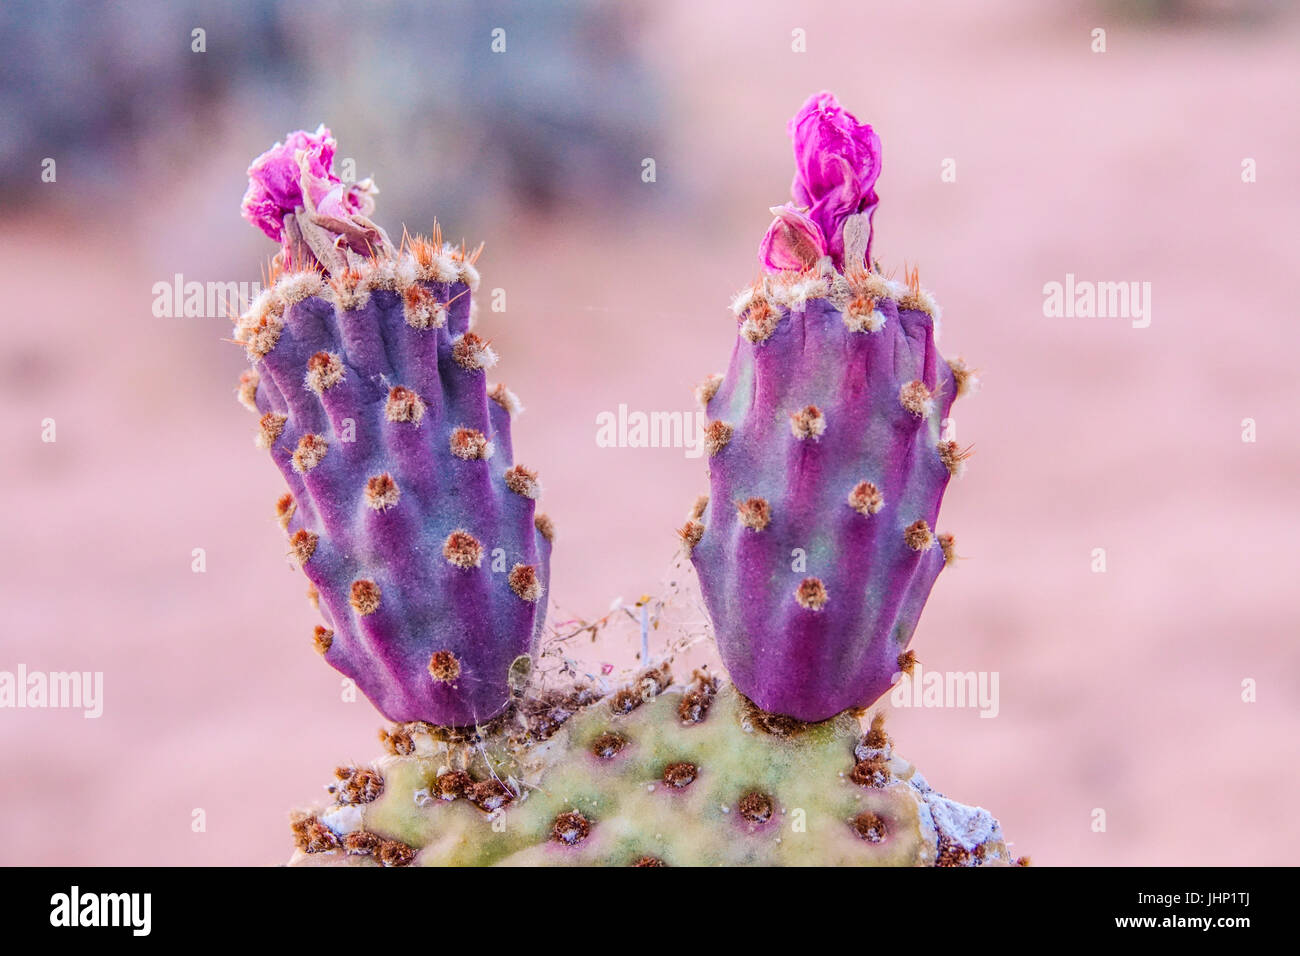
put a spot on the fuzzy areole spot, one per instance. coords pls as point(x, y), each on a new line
point(866, 499)
point(625, 700)
point(433, 264)
point(247, 390)
point(524, 582)
point(875, 738)
point(489, 795)
point(443, 666)
point(452, 784)
point(364, 597)
point(648, 861)
point(260, 335)
point(963, 377)
point(808, 423)
point(470, 444)
point(472, 353)
point(358, 785)
point(680, 775)
point(608, 745)
point(647, 685)
point(522, 481)
point(949, 546)
point(462, 550)
point(397, 741)
point(324, 371)
point(695, 703)
point(394, 853)
point(422, 310)
point(861, 315)
point(811, 594)
point(754, 513)
point(708, 388)
point(270, 427)
point(570, 828)
point(505, 398)
point(309, 453)
point(690, 534)
point(361, 843)
point(870, 827)
point(755, 806)
point(778, 725)
point(953, 457)
point(759, 321)
point(918, 537)
point(404, 405)
point(906, 662)
point(545, 526)
point(285, 506)
point(303, 544)
point(916, 398)
point(312, 836)
point(952, 854)
point(322, 639)
point(871, 772)
point(717, 434)
point(382, 492)
point(797, 289)
point(349, 290)
point(294, 287)
point(915, 297)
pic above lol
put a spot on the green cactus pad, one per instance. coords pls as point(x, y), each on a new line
point(692, 776)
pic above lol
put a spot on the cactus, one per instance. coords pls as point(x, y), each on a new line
point(817, 547)
point(429, 564)
point(650, 776)
point(417, 531)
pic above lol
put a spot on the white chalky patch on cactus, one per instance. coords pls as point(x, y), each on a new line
point(968, 827)
point(343, 819)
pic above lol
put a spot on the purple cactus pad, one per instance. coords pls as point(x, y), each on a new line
point(813, 560)
point(816, 550)
point(406, 512)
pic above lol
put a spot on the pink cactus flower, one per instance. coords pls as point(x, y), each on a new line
point(837, 163)
point(281, 178)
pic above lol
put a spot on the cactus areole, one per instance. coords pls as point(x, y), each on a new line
point(427, 558)
point(818, 545)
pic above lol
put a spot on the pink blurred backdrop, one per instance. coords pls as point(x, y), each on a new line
point(1119, 691)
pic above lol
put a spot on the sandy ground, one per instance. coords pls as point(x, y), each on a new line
point(1120, 691)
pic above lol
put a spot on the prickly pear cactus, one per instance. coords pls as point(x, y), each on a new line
point(817, 546)
point(405, 510)
point(680, 776)
point(429, 563)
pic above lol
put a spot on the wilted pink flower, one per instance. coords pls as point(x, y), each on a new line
point(837, 162)
point(793, 241)
point(278, 179)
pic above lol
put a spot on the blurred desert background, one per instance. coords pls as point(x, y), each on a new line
point(1119, 690)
